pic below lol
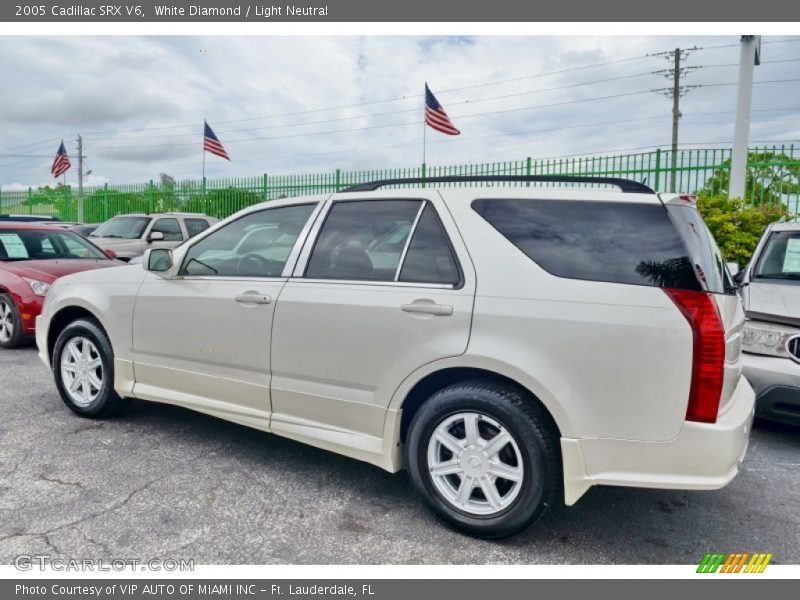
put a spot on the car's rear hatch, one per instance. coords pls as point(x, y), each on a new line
point(716, 281)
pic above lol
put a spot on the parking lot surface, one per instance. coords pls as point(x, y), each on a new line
point(161, 481)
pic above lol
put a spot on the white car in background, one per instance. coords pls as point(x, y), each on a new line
point(770, 288)
point(509, 347)
point(128, 236)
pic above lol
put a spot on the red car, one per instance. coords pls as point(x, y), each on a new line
point(32, 257)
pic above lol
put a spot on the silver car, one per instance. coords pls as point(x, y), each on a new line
point(770, 287)
point(130, 235)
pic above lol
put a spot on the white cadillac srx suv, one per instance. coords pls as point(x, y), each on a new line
point(510, 346)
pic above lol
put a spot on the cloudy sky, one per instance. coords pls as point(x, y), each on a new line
point(309, 104)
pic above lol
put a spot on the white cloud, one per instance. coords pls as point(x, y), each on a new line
point(140, 101)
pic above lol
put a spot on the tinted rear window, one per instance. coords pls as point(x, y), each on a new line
point(617, 242)
point(706, 257)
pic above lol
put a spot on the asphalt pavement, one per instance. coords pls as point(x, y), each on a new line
point(164, 482)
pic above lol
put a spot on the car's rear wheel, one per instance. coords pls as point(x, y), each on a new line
point(11, 334)
point(485, 457)
point(83, 366)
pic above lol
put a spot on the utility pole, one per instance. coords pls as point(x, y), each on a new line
point(80, 178)
point(676, 113)
point(749, 57)
point(675, 92)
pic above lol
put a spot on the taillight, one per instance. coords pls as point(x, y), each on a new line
point(708, 358)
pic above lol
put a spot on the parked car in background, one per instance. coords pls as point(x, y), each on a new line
point(504, 345)
point(32, 257)
point(130, 235)
point(29, 219)
point(85, 229)
point(770, 288)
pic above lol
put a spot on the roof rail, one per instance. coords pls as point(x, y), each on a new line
point(627, 186)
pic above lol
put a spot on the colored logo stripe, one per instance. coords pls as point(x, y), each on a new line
point(734, 563)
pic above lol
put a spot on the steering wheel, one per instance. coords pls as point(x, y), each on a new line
point(255, 265)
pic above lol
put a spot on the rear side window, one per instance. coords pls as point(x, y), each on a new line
point(363, 240)
point(703, 250)
point(195, 226)
point(616, 242)
point(430, 258)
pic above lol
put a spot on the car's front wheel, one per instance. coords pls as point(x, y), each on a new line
point(485, 457)
point(83, 366)
point(11, 334)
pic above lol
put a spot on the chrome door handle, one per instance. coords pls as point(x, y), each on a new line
point(250, 298)
point(428, 308)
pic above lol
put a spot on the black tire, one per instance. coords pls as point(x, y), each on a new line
point(531, 429)
point(17, 336)
point(107, 403)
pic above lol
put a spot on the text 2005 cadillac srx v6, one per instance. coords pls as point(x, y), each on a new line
point(509, 347)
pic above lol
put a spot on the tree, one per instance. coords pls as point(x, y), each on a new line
point(736, 224)
point(770, 177)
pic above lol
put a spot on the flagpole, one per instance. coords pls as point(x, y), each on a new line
point(424, 129)
point(204, 161)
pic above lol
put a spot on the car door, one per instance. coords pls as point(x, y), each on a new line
point(378, 292)
point(202, 338)
point(170, 228)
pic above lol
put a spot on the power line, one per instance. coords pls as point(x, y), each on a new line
point(414, 122)
point(456, 103)
point(388, 100)
point(409, 110)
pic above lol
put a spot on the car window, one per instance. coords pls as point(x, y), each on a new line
point(170, 228)
point(46, 245)
point(430, 257)
point(129, 228)
point(780, 258)
point(618, 242)
point(703, 250)
point(363, 240)
point(256, 245)
point(12, 246)
point(195, 226)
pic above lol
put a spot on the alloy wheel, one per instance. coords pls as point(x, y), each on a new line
point(6, 323)
point(475, 463)
point(81, 371)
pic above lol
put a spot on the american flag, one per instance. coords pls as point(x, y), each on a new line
point(61, 164)
point(212, 144)
point(435, 116)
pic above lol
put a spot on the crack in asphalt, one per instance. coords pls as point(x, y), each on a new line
point(44, 535)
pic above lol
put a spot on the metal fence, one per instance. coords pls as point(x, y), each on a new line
point(772, 177)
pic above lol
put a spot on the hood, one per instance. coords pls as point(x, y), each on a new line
point(112, 242)
point(50, 270)
point(779, 301)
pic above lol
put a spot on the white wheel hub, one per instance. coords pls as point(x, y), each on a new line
point(475, 463)
point(81, 371)
point(6, 322)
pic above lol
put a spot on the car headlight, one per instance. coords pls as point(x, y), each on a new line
point(765, 338)
point(40, 288)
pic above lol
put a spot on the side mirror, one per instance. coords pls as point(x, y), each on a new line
point(155, 236)
point(158, 260)
point(738, 279)
point(110, 253)
point(733, 268)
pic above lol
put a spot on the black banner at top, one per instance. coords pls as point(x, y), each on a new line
point(440, 11)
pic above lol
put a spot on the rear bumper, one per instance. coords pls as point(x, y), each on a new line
point(776, 382)
point(702, 457)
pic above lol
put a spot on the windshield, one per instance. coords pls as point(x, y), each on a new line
point(780, 258)
point(45, 245)
point(129, 228)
